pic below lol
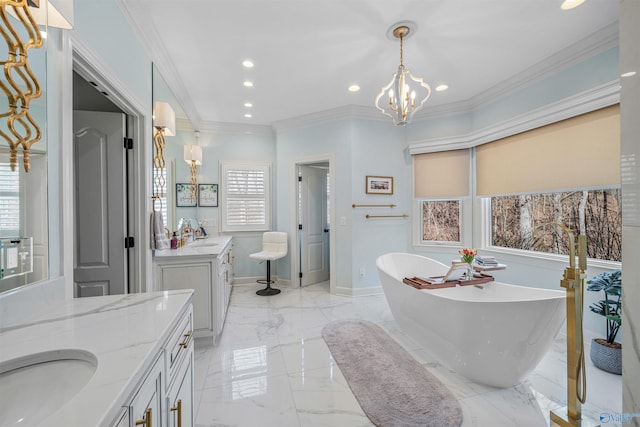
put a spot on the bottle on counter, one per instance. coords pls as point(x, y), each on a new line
point(174, 241)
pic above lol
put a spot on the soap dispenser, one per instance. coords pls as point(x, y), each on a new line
point(174, 241)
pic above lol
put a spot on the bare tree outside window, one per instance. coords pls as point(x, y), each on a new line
point(441, 221)
point(595, 213)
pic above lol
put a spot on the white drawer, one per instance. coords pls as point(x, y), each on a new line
point(178, 345)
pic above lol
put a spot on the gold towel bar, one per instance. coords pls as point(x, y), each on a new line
point(386, 216)
point(373, 206)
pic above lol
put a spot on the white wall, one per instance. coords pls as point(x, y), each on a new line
point(218, 146)
point(378, 148)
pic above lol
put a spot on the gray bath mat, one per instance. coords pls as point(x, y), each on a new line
point(393, 389)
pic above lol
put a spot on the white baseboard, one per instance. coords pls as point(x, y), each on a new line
point(358, 292)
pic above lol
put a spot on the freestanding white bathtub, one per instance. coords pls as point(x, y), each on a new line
point(495, 335)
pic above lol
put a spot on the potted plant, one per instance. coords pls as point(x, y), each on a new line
point(606, 354)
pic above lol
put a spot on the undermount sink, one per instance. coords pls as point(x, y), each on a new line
point(204, 246)
point(207, 249)
point(35, 386)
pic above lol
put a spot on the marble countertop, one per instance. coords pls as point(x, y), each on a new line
point(124, 333)
point(211, 246)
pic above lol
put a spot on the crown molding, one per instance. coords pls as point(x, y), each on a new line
point(598, 42)
point(333, 115)
point(148, 35)
point(235, 128)
point(584, 102)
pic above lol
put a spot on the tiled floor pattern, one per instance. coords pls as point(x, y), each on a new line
point(272, 368)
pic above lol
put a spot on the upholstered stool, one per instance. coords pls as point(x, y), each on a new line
point(274, 246)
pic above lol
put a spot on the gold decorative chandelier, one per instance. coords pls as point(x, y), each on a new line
point(405, 94)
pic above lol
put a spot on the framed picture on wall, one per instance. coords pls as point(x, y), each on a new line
point(208, 195)
point(183, 196)
point(379, 184)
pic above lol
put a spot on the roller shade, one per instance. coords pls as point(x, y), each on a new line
point(577, 153)
point(441, 175)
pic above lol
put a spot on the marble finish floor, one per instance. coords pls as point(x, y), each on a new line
point(272, 368)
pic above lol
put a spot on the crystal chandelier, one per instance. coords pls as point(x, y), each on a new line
point(405, 94)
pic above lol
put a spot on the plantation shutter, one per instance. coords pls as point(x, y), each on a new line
point(578, 153)
point(161, 193)
point(245, 197)
point(442, 174)
point(9, 201)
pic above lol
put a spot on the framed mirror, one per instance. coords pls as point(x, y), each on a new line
point(24, 198)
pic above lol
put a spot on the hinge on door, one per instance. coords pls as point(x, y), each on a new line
point(299, 226)
point(128, 143)
point(129, 242)
point(300, 275)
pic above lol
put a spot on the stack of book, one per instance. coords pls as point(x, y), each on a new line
point(486, 261)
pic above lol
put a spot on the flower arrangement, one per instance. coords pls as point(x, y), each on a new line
point(468, 254)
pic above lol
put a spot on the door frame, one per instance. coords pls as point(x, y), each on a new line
point(79, 57)
point(294, 220)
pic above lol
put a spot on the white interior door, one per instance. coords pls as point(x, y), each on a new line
point(314, 236)
point(100, 203)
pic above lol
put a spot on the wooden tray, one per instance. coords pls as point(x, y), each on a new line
point(418, 283)
point(478, 279)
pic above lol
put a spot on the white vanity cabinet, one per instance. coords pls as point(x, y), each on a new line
point(179, 400)
point(208, 270)
point(165, 395)
point(179, 362)
point(225, 281)
point(140, 347)
point(145, 408)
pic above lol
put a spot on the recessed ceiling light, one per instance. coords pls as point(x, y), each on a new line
point(247, 63)
point(248, 83)
point(570, 4)
point(248, 104)
point(248, 116)
point(441, 88)
point(354, 88)
point(629, 74)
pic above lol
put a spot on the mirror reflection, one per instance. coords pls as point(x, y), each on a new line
point(24, 241)
point(175, 201)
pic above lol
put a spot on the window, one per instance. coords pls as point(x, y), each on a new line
point(9, 201)
point(161, 193)
point(566, 172)
point(595, 213)
point(162, 187)
point(245, 197)
point(441, 184)
point(441, 221)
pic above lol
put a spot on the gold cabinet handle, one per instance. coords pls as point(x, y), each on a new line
point(185, 343)
point(146, 420)
point(178, 408)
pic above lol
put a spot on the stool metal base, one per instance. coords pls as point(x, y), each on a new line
point(268, 291)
